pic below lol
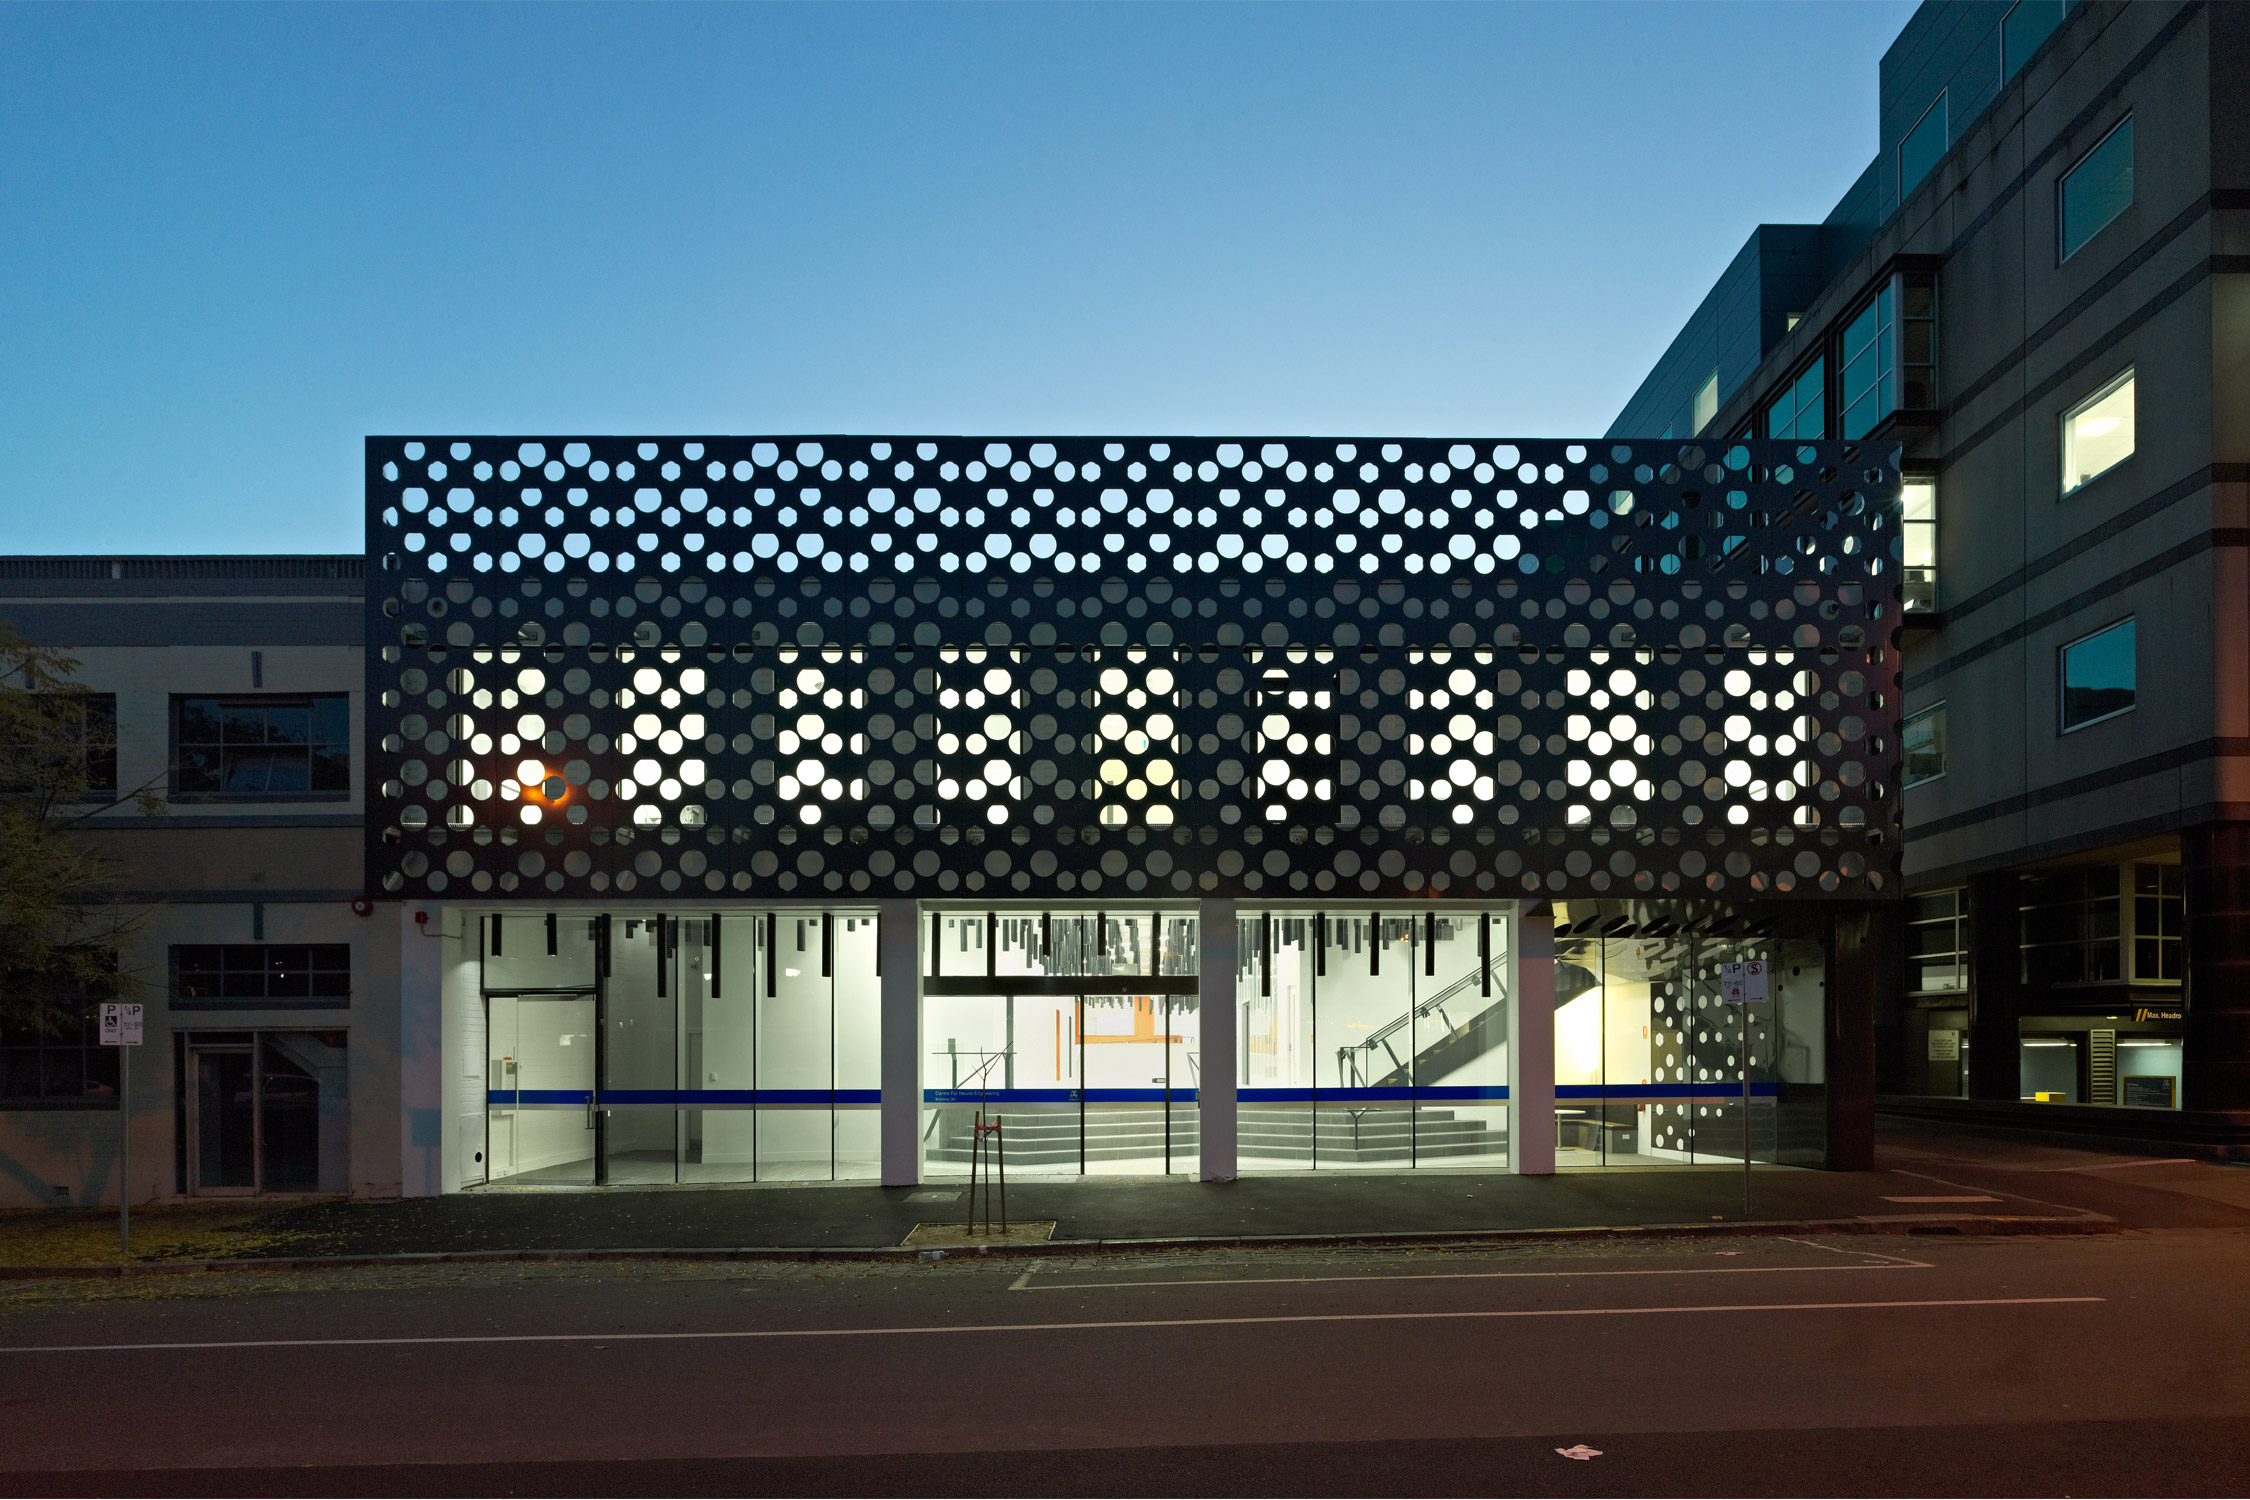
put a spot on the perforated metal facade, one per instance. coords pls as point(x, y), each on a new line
point(1183, 666)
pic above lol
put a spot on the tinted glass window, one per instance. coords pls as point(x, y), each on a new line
point(262, 747)
point(214, 976)
point(2098, 189)
point(1923, 147)
point(1924, 745)
point(1870, 382)
point(2097, 676)
point(2026, 26)
point(1801, 410)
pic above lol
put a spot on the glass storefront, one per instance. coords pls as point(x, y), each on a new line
point(1650, 1057)
point(667, 1048)
point(1077, 1029)
point(673, 1047)
point(1373, 1040)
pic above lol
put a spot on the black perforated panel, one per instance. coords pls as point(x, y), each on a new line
point(789, 666)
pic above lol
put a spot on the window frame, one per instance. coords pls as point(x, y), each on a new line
point(1787, 389)
point(1899, 152)
point(2039, 944)
point(2135, 936)
point(2012, 59)
point(87, 1045)
point(2129, 376)
point(310, 701)
point(1882, 305)
point(1936, 709)
point(2064, 250)
point(1907, 524)
point(1957, 921)
point(179, 999)
point(2062, 677)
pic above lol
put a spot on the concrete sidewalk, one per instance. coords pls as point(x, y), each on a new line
point(1928, 1181)
point(1920, 1189)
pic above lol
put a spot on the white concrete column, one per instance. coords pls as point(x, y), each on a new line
point(898, 941)
point(421, 1050)
point(1531, 1043)
point(1218, 1026)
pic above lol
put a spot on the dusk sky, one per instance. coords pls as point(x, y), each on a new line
point(238, 239)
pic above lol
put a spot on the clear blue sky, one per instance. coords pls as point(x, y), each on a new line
point(235, 240)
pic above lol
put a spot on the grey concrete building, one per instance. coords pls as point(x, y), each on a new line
point(2049, 249)
point(270, 1060)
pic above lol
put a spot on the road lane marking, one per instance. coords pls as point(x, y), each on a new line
point(1083, 1327)
point(1973, 1198)
point(1024, 1283)
point(2072, 1208)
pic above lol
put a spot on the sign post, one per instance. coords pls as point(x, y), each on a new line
point(1744, 984)
point(121, 1028)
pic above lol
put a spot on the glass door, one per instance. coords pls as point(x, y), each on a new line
point(225, 1126)
point(540, 1089)
point(641, 1052)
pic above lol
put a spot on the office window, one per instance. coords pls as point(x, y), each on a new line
point(2071, 927)
point(2097, 676)
point(256, 976)
point(1923, 147)
point(2026, 25)
point(261, 747)
point(2097, 190)
point(1937, 948)
point(2159, 920)
point(1923, 744)
point(1920, 539)
point(64, 1069)
point(82, 732)
point(1870, 380)
point(2097, 433)
point(1917, 332)
point(1707, 402)
point(1801, 410)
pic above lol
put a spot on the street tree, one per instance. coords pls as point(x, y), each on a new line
point(61, 926)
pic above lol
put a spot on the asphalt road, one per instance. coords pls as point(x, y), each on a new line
point(1838, 1365)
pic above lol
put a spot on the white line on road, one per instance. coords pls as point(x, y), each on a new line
point(1971, 1187)
point(1024, 1283)
point(1095, 1327)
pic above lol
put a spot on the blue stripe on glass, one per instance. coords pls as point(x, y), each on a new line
point(683, 1098)
point(1424, 1094)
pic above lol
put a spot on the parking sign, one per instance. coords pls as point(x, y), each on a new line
point(121, 1025)
point(1743, 983)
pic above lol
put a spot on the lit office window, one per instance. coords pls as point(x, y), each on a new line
point(2159, 920)
point(1801, 410)
point(2097, 433)
point(1870, 381)
point(2097, 190)
point(1923, 147)
point(1920, 538)
point(1937, 948)
point(1923, 745)
point(1707, 402)
point(2097, 676)
point(2026, 25)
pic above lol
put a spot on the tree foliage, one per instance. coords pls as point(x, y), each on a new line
point(60, 927)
